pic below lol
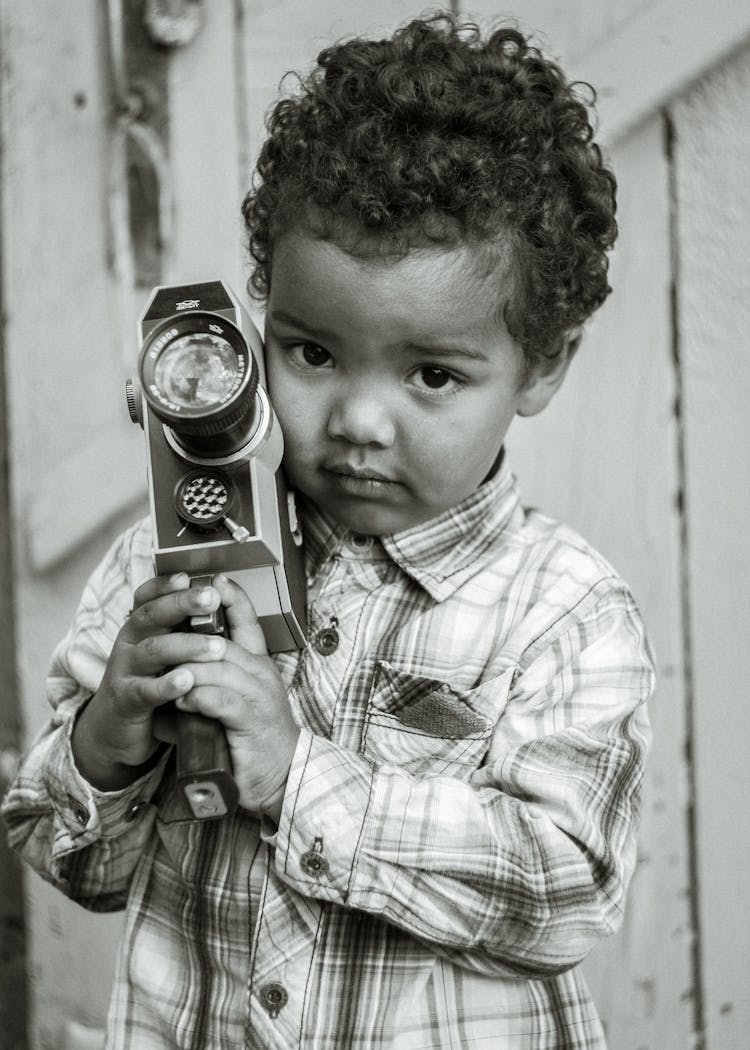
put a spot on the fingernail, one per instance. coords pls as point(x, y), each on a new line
point(205, 597)
point(183, 679)
point(179, 579)
point(216, 646)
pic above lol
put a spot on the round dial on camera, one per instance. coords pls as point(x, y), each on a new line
point(204, 498)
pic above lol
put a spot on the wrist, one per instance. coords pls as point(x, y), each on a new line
point(273, 807)
point(93, 759)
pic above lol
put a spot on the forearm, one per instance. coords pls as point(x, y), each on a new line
point(480, 875)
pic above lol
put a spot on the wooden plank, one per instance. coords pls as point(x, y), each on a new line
point(288, 37)
point(13, 1001)
point(64, 373)
point(712, 150)
point(638, 54)
point(651, 58)
point(562, 28)
point(603, 458)
point(106, 476)
point(65, 322)
point(206, 142)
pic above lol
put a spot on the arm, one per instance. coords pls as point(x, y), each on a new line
point(521, 870)
point(51, 811)
point(79, 809)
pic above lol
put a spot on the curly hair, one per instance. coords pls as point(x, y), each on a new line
point(435, 136)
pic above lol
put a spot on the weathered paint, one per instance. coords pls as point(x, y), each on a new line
point(660, 493)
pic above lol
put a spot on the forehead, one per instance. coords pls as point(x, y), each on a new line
point(454, 287)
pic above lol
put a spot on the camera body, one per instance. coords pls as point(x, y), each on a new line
point(218, 498)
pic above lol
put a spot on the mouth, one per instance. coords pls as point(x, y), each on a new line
point(358, 481)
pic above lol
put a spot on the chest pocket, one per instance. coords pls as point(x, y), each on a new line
point(428, 727)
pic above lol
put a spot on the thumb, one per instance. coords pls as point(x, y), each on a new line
point(242, 620)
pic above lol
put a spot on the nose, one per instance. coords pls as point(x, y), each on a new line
point(361, 417)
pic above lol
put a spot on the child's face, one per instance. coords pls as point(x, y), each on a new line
point(394, 380)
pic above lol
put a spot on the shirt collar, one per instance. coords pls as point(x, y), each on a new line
point(440, 554)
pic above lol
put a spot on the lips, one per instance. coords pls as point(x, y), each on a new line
point(347, 470)
point(359, 481)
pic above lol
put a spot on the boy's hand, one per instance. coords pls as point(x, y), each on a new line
point(113, 738)
point(245, 692)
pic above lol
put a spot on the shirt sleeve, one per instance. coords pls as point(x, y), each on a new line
point(84, 841)
point(520, 870)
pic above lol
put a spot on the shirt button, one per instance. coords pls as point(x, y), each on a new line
point(80, 812)
point(326, 641)
point(273, 997)
point(313, 863)
point(135, 809)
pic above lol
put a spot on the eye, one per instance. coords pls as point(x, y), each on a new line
point(315, 355)
point(435, 378)
point(309, 355)
point(428, 379)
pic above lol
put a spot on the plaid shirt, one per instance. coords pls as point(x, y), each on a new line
point(459, 822)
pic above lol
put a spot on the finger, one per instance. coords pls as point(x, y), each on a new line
point(242, 620)
point(164, 724)
point(228, 692)
point(146, 694)
point(156, 652)
point(159, 585)
point(215, 701)
point(250, 679)
point(166, 611)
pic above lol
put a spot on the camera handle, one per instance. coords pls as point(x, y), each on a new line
point(204, 764)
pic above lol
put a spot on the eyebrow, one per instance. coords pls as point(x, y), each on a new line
point(453, 350)
point(447, 351)
point(294, 322)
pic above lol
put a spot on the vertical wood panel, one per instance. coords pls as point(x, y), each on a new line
point(206, 142)
point(12, 911)
point(712, 153)
point(284, 37)
point(63, 356)
point(602, 457)
point(564, 29)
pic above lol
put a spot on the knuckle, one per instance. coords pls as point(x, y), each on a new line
point(144, 615)
point(151, 646)
point(143, 593)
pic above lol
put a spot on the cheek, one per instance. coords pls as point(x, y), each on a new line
point(295, 409)
point(459, 450)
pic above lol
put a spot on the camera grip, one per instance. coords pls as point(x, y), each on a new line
point(204, 763)
point(204, 766)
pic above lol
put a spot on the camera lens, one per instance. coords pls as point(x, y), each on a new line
point(197, 371)
point(200, 378)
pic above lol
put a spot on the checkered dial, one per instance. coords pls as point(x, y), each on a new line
point(203, 499)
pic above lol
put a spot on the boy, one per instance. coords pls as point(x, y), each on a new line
point(439, 794)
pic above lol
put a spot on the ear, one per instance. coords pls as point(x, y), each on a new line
point(547, 377)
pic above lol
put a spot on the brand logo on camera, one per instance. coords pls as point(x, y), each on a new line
point(188, 304)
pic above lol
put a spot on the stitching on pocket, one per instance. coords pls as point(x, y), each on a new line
point(427, 705)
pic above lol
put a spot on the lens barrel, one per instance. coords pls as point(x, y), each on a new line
point(199, 377)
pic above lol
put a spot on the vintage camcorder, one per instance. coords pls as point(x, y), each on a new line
point(218, 498)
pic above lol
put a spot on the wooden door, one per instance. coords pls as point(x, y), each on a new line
point(630, 452)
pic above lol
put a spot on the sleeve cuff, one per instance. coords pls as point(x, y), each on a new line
point(86, 813)
point(327, 797)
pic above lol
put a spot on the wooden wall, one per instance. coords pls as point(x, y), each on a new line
point(711, 201)
point(645, 450)
point(604, 458)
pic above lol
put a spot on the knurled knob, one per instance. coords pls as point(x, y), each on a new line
point(133, 401)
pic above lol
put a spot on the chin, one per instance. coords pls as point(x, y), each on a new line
point(369, 521)
point(372, 519)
